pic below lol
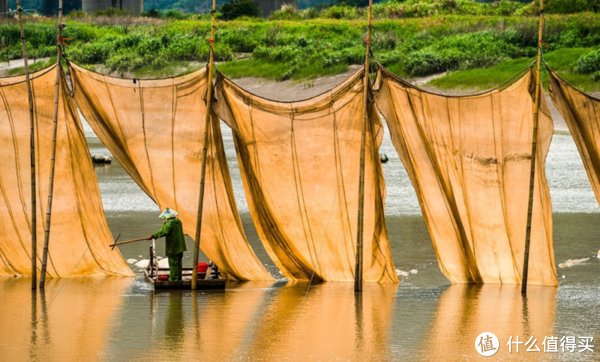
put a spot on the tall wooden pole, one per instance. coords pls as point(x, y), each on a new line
point(57, 89)
point(207, 125)
point(358, 270)
point(31, 150)
point(536, 111)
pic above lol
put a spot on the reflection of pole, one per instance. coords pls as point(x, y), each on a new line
point(57, 89)
point(44, 317)
point(358, 270)
point(525, 315)
point(359, 321)
point(34, 320)
point(536, 111)
point(31, 151)
point(207, 127)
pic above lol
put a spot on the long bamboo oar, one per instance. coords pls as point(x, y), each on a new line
point(207, 126)
point(536, 111)
point(358, 273)
point(57, 86)
point(32, 150)
point(112, 246)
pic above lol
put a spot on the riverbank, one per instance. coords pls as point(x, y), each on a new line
point(309, 48)
point(289, 90)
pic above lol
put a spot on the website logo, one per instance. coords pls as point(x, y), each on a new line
point(487, 344)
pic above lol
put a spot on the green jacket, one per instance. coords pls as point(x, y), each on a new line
point(173, 231)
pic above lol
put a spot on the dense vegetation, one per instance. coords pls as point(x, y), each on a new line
point(305, 48)
point(401, 8)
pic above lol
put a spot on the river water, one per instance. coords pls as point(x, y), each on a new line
point(423, 318)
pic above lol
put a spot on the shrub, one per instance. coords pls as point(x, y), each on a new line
point(506, 8)
point(588, 63)
point(149, 47)
point(425, 8)
point(384, 40)
point(91, 53)
point(80, 33)
point(159, 61)
point(272, 34)
point(182, 48)
point(240, 39)
point(40, 36)
point(309, 13)
point(111, 12)
point(342, 12)
point(462, 51)
point(222, 52)
point(128, 41)
point(522, 34)
point(287, 12)
point(425, 62)
point(77, 14)
point(238, 8)
point(41, 52)
point(571, 6)
point(152, 13)
point(277, 54)
point(174, 14)
point(123, 61)
point(393, 57)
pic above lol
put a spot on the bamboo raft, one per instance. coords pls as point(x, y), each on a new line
point(159, 277)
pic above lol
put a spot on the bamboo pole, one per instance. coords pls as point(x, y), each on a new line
point(207, 125)
point(358, 270)
point(31, 150)
point(536, 110)
point(112, 246)
point(57, 86)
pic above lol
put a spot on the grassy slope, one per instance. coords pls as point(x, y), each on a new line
point(479, 51)
point(561, 60)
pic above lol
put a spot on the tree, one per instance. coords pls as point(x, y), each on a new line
point(237, 8)
point(359, 3)
point(571, 6)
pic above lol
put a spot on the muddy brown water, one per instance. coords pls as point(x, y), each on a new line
point(422, 318)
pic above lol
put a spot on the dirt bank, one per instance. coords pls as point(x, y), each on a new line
point(291, 90)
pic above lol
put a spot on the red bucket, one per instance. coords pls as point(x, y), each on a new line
point(163, 278)
point(202, 267)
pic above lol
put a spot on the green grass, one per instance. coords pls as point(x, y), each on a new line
point(489, 49)
point(277, 71)
point(398, 69)
point(482, 78)
point(172, 69)
point(561, 60)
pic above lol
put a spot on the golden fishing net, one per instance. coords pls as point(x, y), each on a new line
point(582, 114)
point(300, 168)
point(155, 129)
point(469, 160)
point(79, 236)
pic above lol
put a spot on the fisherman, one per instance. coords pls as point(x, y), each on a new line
point(172, 229)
